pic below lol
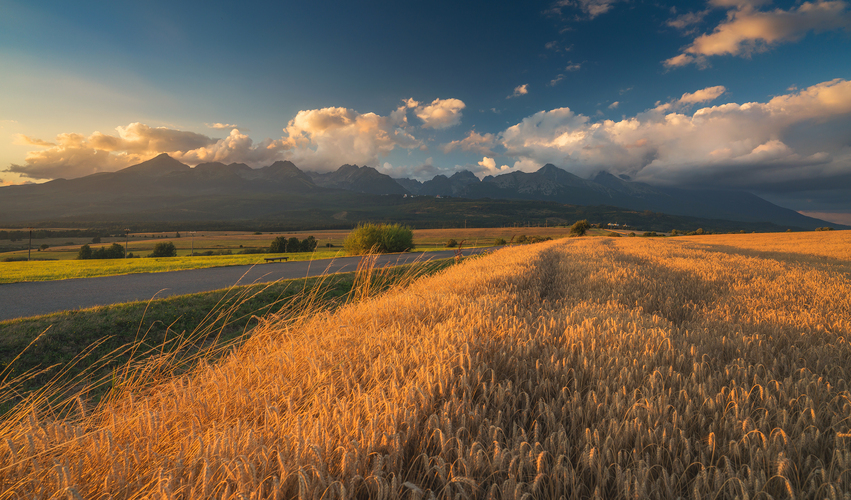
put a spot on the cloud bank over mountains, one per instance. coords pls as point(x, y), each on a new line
point(765, 146)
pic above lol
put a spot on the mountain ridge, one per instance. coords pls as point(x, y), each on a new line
point(163, 183)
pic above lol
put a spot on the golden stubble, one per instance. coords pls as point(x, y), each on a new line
point(586, 367)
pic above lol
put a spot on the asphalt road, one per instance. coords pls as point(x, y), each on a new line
point(21, 300)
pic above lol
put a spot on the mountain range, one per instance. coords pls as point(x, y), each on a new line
point(165, 189)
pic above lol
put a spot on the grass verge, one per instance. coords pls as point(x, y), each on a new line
point(72, 348)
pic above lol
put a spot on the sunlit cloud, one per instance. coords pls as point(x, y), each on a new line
point(220, 125)
point(748, 30)
point(440, 114)
point(591, 8)
point(315, 139)
point(746, 145)
point(687, 21)
point(476, 142)
point(520, 90)
point(323, 139)
point(23, 140)
point(572, 66)
point(614, 105)
point(235, 148)
point(488, 167)
point(704, 95)
point(74, 155)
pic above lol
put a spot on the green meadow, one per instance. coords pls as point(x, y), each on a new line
point(59, 259)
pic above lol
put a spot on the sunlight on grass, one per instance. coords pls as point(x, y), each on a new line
point(583, 367)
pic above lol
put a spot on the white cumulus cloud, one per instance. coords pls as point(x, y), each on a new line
point(488, 167)
point(323, 139)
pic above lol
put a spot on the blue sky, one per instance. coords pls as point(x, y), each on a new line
point(745, 94)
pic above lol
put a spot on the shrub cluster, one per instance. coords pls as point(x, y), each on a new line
point(164, 249)
point(115, 251)
point(825, 228)
point(579, 228)
point(208, 253)
point(379, 238)
point(292, 245)
point(523, 239)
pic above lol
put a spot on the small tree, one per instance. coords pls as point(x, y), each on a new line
point(579, 228)
point(164, 249)
point(116, 251)
point(309, 244)
point(379, 238)
point(499, 241)
point(279, 245)
point(96, 239)
point(451, 243)
point(44, 246)
point(85, 252)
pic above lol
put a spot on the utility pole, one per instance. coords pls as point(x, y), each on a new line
point(192, 252)
point(30, 246)
point(126, 233)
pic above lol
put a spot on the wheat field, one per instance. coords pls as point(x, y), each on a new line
point(576, 368)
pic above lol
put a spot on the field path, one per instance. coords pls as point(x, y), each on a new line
point(20, 300)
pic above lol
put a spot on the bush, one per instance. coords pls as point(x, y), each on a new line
point(579, 228)
point(451, 243)
point(96, 239)
point(499, 241)
point(522, 239)
point(538, 239)
point(825, 228)
point(85, 252)
point(164, 249)
point(279, 245)
point(379, 238)
point(284, 245)
point(308, 244)
point(115, 251)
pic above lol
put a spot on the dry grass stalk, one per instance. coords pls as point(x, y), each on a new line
point(611, 368)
